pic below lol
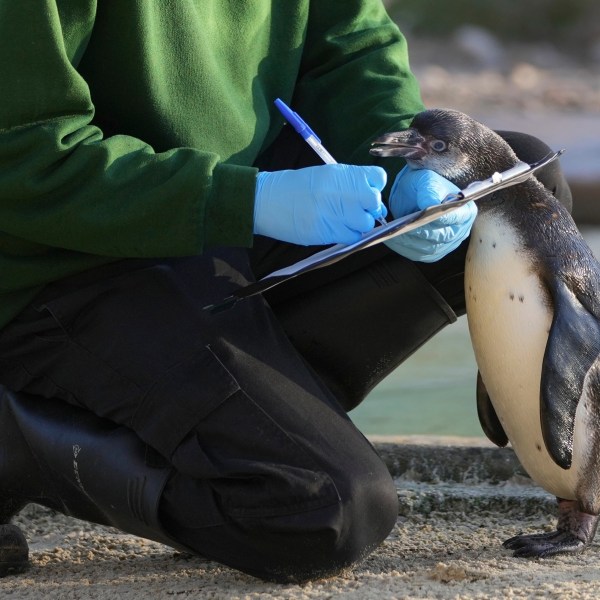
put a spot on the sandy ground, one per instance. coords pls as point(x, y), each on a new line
point(449, 556)
point(459, 498)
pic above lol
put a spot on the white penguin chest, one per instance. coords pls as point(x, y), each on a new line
point(509, 321)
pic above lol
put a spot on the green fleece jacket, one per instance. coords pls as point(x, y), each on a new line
point(128, 128)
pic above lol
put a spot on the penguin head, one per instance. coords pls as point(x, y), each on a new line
point(449, 143)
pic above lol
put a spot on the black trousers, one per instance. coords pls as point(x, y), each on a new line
point(247, 405)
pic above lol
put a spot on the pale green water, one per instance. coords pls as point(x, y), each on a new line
point(433, 392)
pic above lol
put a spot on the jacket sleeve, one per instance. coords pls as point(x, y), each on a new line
point(63, 184)
point(355, 81)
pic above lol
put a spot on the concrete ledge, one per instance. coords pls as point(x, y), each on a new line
point(452, 499)
point(439, 462)
point(462, 478)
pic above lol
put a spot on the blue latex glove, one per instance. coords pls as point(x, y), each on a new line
point(416, 189)
point(327, 204)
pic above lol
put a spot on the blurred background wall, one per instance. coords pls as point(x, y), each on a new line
point(530, 65)
point(572, 26)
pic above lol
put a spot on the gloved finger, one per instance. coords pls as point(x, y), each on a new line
point(440, 232)
point(370, 201)
point(464, 215)
point(443, 241)
point(423, 248)
point(358, 219)
point(442, 250)
point(410, 242)
point(346, 236)
point(380, 211)
point(403, 193)
point(375, 179)
point(416, 189)
point(432, 188)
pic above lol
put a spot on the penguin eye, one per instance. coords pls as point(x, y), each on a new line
point(439, 145)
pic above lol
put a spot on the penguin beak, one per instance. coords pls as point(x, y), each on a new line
point(409, 144)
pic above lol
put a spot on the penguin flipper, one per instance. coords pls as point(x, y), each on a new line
point(490, 423)
point(573, 346)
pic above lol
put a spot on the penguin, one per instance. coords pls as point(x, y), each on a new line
point(532, 288)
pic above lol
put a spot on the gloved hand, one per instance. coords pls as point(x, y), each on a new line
point(327, 204)
point(416, 189)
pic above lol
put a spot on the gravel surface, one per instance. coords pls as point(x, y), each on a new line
point(440, 555)
point(458, 500)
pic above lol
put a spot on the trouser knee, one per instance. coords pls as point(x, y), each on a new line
point(296, 545)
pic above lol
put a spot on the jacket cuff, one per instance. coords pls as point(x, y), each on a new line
point(229, 217)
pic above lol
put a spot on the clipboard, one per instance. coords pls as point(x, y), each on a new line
point(473, 192)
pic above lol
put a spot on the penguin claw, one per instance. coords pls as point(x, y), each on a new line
point(575, 532)
point(544, 545)
point(521, 540)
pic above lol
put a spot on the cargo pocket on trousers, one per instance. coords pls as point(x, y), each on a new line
point(184, 394)
point(212, 430)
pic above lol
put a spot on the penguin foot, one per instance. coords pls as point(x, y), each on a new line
point(543, 545)
point(575, 532)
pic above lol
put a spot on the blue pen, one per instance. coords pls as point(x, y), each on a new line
point(309, 136)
